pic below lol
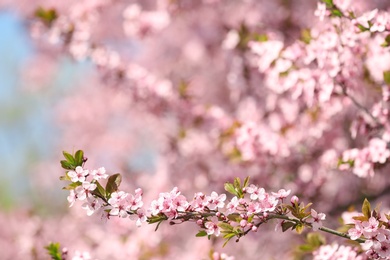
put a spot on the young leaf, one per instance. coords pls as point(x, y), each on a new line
point(234, 217)
point(99, 191)
point(386, 77)
point(328, 2)
point(299, 228)
point(287, 225)
point(67, 165)
point(113, 183)
point(228, 237)
point(79, 157)
point(201, 233)
point(230, 188)
point(315, 239)
point(53, 249)
point(225, 226)
point(69, 157)
point(366, 209)
point(72, 186)
point(47, 16)
point(360, 218)
point(237, 183)
point(246, 182)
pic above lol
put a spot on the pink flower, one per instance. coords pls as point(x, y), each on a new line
point(212, 227)
point(321, 11)
point(378, 150)
point(256, 192)
point(99, 173)
point(215, 201)
point(315, 219)
point(232, 205)
point(370, 226)
point(355, 232)
point(119, 204)
point(72, 198)
point(199, 201)
point(282, 193)
point(81, 256)
point(140, 217)
point(92, 205)
point(78, 175)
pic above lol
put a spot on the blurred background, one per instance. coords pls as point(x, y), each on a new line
point(28, 133)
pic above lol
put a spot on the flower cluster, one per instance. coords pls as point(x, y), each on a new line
point(362, 160)
point(371, 229)
point(108, 201)
point(377, 235)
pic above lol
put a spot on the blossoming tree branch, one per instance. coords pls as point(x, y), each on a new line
point(249, 208)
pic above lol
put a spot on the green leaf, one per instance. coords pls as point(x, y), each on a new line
point(99, 191)
point(229, 235)
point(234, 217)
point(299, 228)
point(201, 233)
point(360, 218)
point(237, 183)
point(337, 13)
point(225, 226)
point(79, 158)
point(158, 225)
point(246, 182)
point(328, 2)
point(65, 178)
point(69, 157)
point(238, 188)
point(53, 249)
point(366, 209)
point(287, 225)
point(260, 37)
point(387, 39)
point(386, 77)
point(157, 218)
point(227, 240)
point(47, 16)
point(315, 240)
point(306, 36)
point(113, 183)
point(306, 248)
point(362, 28)
point(72, 186)
point(230, 188)
point(67, 165)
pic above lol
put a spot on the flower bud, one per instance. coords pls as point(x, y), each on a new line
point(294, 200)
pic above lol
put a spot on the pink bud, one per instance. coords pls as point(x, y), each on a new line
point(243, 223)
point(294, 200)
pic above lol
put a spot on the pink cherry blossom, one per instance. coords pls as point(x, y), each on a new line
point(99, 173)
point(316, 219)
point(212, 227)
point(78, 174)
